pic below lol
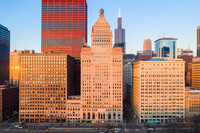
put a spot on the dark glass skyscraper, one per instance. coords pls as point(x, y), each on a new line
point(4, 52)
point(120, 35)
point(64, 26)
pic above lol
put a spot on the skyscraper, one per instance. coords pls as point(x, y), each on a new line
point(198, 41)
point(120, 35)
point(64, 26)
point(166, 47)
point(4, 52)
point(101, 77)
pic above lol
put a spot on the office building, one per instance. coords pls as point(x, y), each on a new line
point(101, 77)
point(64, 29)
point(74, 109)
point(159, 90)
point(14, 69)
point(198, 41)
point(4, 52)
point(9, 102)
point(120, 35)
point(195, 73)
point(127, 78)
point(64, 26)
point(192, 102)
point(166, 47)
point(45, 83)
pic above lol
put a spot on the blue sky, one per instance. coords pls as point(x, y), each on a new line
point(141, 18)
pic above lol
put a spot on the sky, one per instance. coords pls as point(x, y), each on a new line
point(142, 19)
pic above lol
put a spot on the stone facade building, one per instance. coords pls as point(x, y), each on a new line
point(101, 77)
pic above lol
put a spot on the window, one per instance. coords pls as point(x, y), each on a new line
point(109, 116)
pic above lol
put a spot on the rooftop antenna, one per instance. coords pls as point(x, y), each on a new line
point(119, 14)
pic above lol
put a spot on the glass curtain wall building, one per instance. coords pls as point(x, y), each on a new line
point(64, 26)
point(166, 47)
point(4, 52)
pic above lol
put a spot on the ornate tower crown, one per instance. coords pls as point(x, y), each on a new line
point(101, 12)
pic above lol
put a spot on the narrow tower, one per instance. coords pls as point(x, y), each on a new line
point(120, 35)
point(101, 77)
point(198, 41)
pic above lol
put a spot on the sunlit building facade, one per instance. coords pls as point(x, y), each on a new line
point(195, 73)
point(192, 102)
point(101, 77)
point(74, 109)
point(159, 90)
point(14, 69)
point(46, 80)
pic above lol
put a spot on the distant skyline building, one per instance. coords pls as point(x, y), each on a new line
point(64, 26)
point(166, 47)
point(147, 45)
point(159, 90)
point(4, 52)
point(101, 77)
point(120, 35)
point(188, 52)
point(179, 51)
point(198, 41)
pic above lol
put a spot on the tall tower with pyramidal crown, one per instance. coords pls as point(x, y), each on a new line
point(101, 77)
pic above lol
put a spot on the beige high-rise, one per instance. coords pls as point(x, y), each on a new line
point(101, 77)
point(159, 90)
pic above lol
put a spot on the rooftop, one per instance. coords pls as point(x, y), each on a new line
point(5, 28)
point(166, 38)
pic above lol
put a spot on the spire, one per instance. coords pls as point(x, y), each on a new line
point(119, 14)
point(101, 11)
